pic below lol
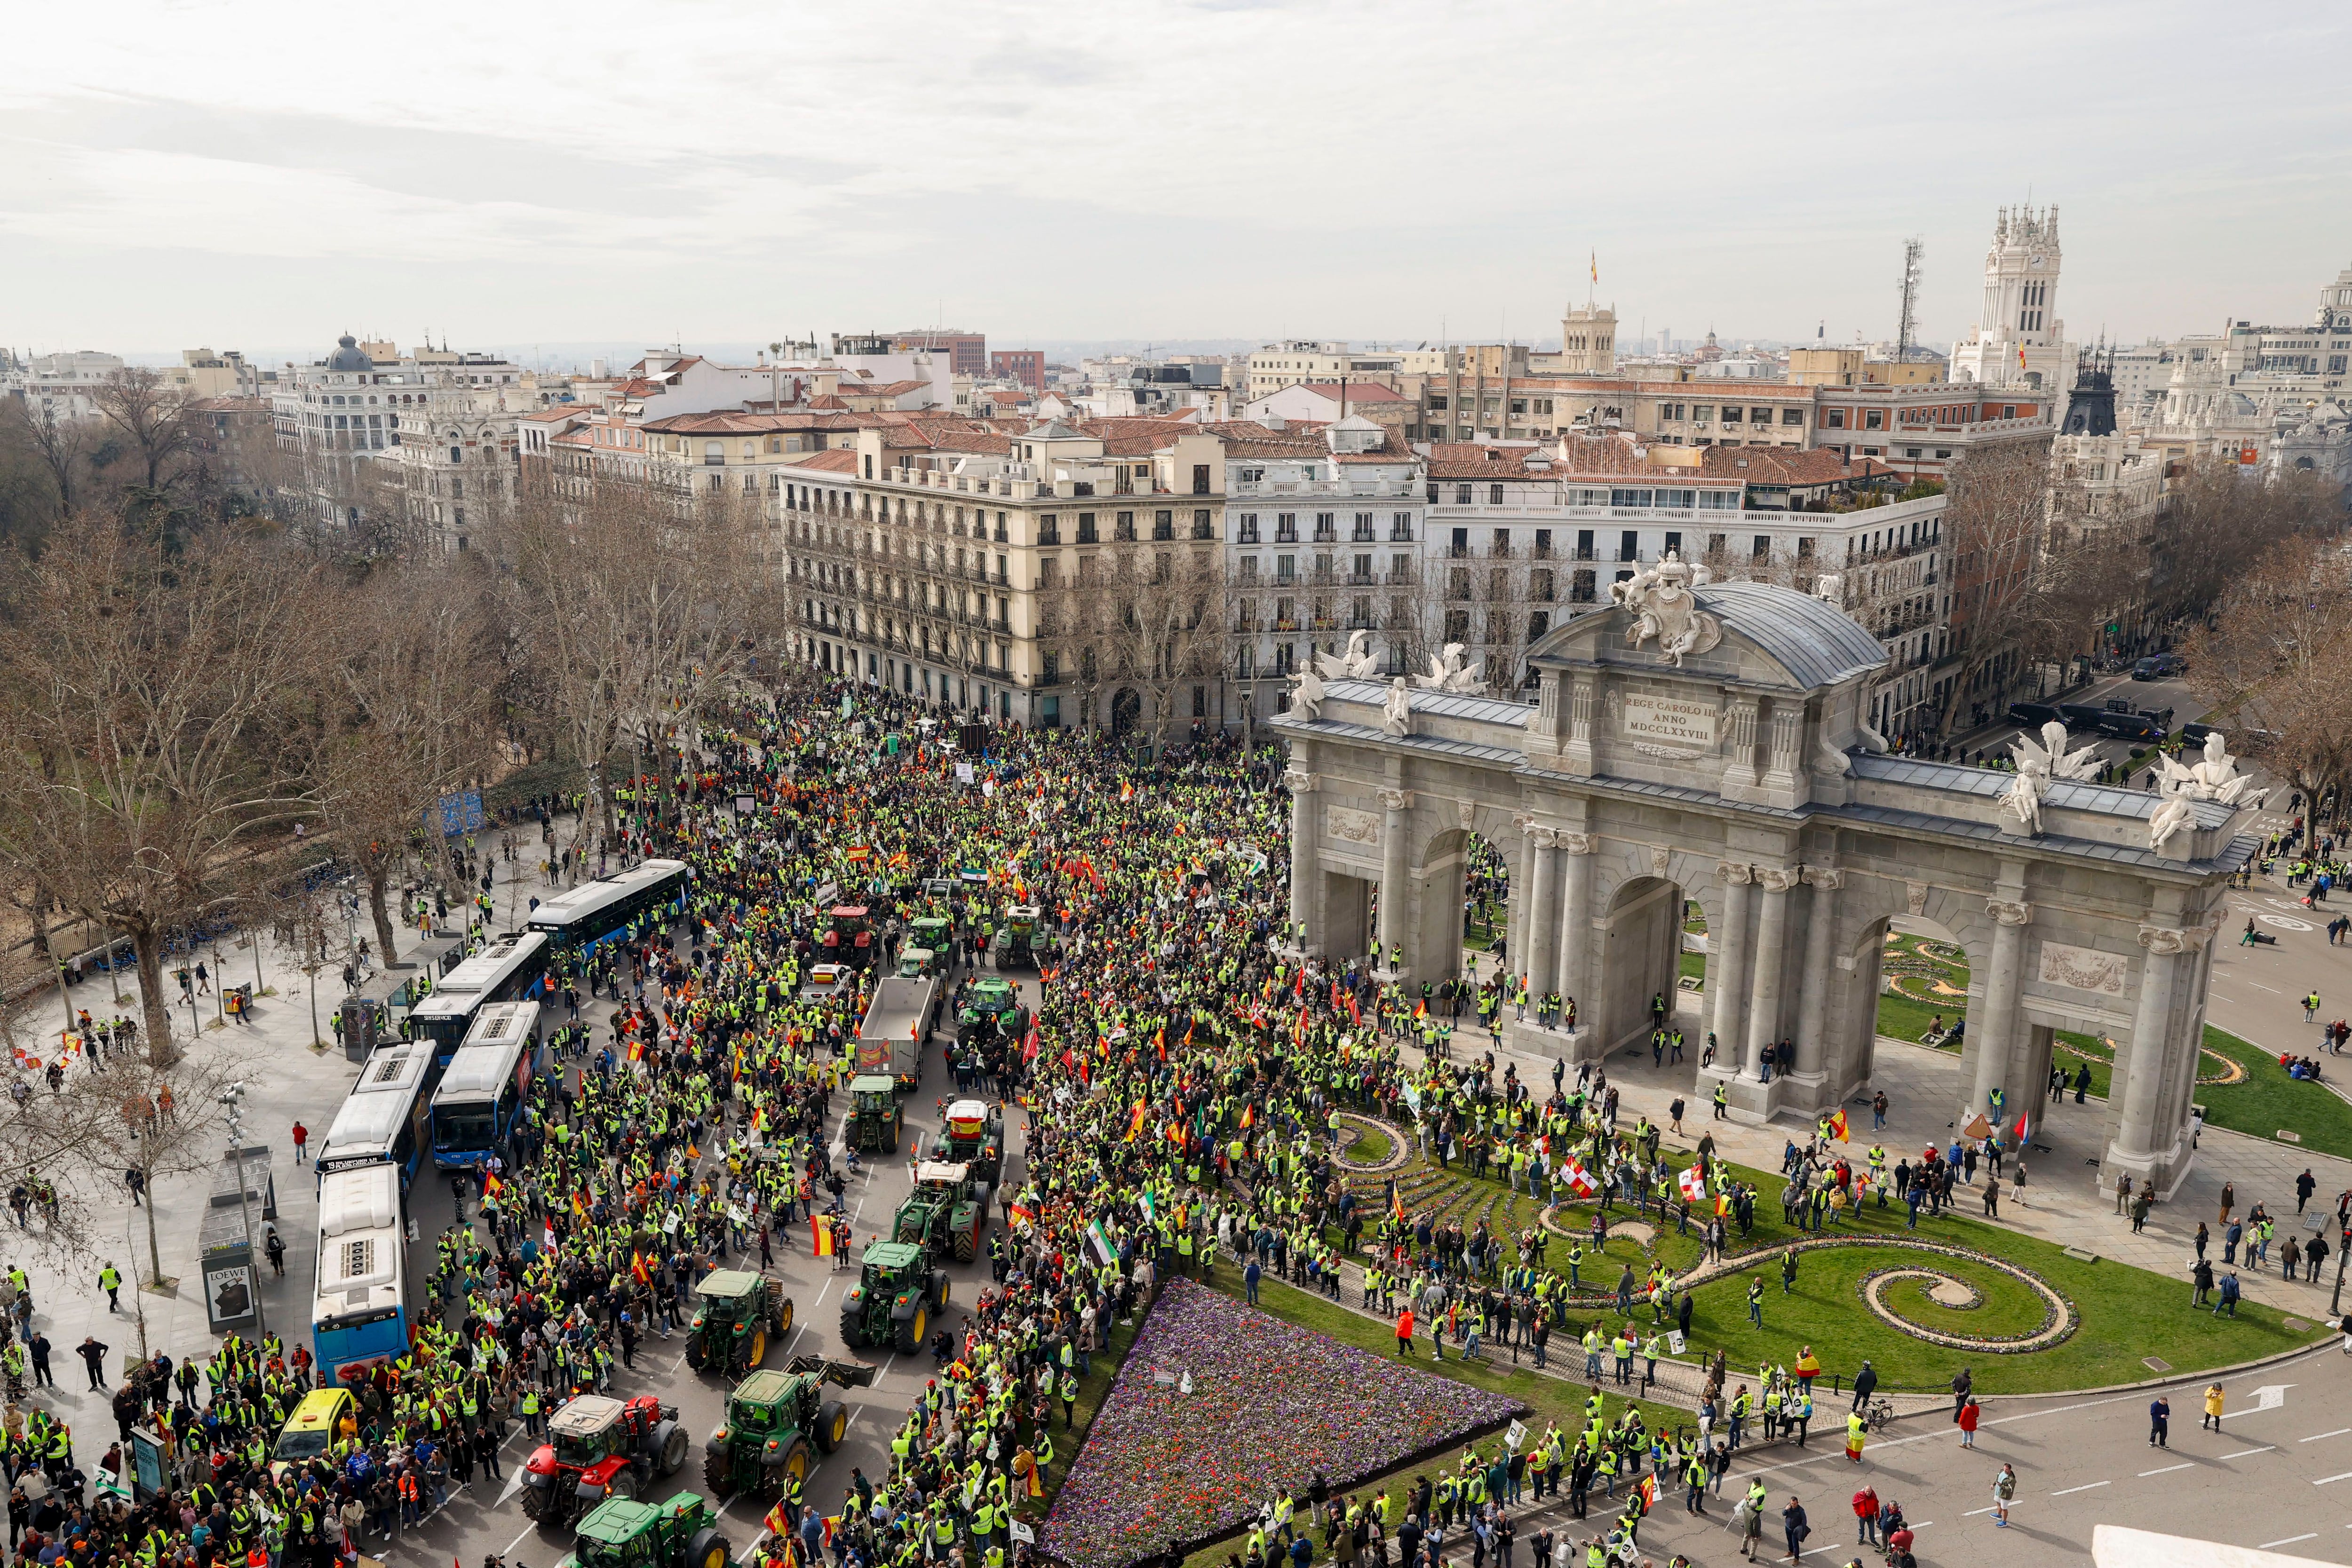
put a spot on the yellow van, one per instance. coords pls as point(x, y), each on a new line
point(310, 1433)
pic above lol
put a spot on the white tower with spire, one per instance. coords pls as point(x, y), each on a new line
point(2020, 339)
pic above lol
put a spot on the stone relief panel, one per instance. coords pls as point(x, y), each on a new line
point(2083, 969)
point(1345, 824)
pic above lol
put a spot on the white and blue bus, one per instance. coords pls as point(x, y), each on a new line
point(383, 1120)
point(359, 1314)
point(483, 1090)
point(595, 913)
point(511, 969)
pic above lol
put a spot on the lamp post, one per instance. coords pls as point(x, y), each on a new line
point(233, 1099)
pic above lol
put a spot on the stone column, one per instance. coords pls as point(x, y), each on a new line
point(1812, 1001)
point(1517, 910)
point(1539, 944)
point(1726, 964)
point(1394, 896)
point(2151, 1029)
point(1996, 1032)
point(1306, 827)
point(1575, 852)
point(1764, 989)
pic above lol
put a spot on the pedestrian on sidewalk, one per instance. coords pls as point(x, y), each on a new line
point(109, 1279)
point(302, 1140)
point(94, 1354)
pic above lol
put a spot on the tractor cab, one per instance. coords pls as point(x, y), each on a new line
point(927, 946)
point(736, 1313)
point(624, 1533)
point(1016, 941)
point(876, 1118)
point(990, 1008)
point(971, 1133)
point(897, 1295)
point(848, 935)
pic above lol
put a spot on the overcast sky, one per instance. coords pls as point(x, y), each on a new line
point(264, 175)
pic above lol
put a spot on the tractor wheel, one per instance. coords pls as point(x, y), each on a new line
point(535, 1500)
point(941, 1285)
point(717, 1473)
point(832, 1425)
point(967, 1243)
point(780, 1323)
point(709, 1549)
point(694, 1352)
point(755, 1348)
point(853, 1332)
point(625, 1484)
point(672, 1443)
point(796, 1463)
point(910, 1332)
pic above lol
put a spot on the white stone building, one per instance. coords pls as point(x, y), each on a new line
point(2020, 339)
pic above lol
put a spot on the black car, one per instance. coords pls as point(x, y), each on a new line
point(2193, 733)
point(2157, 665)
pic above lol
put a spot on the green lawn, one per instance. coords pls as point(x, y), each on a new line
point(1827, 1310)
point(2269, 1100)
point(2126, 1314)
point(1901, 1018)
point(1370, 1147)
point(1695, 966)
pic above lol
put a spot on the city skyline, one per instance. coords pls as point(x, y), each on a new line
point(1058, 174)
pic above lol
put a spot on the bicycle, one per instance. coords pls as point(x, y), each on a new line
point(1880, 1413)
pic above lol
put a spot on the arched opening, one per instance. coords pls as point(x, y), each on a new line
point(1922, 989)
point(1641, 953)
point(1126, 710)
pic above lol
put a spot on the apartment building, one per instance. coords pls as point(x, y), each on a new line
point(1026, 366)
point(1010, 570)
point(1278, 365)
point(1465, 406)
point(966, 352)
point(59, 385)
point(1922, 430)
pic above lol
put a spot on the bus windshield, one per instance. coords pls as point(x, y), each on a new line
point(464, 1126)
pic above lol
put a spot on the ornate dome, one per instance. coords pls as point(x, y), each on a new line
point(347, 356)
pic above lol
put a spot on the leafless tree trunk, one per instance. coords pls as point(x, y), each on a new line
point(150, 413)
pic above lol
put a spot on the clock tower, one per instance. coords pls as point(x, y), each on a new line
point(2020, 339)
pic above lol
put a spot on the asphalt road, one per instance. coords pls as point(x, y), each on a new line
point(487, 1517)
point(2159, 695)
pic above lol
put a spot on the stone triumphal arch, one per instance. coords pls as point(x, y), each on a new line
point(1708, 742)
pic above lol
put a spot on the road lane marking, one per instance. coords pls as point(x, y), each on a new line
point(2288, 1541)
point(2324, 1480)
point(2166, 1471)
point(2092, 1486)
point(1974, 1511)
point(2243, 1452)
point(518, 1540)
point(2315, 1436)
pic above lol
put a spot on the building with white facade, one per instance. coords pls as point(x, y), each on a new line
point(2019, 341)
point(59, 385)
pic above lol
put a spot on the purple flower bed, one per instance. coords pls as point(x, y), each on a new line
point(1271, 1405)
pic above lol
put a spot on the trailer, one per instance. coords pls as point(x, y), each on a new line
point(897, 1026)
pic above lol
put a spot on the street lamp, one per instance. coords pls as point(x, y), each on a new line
point(233, 1099)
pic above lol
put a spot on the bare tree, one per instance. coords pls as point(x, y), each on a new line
point(149, 413)
point(2221, 517)
point(145, 693)
point(61, 447)
point(2270, 656)
point(404, 715)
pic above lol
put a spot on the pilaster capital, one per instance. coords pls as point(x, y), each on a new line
point(2006, 912)
point(1735, 872)
point(1828, 878)
point(2163, 939)
point(1574, 843)
point(1778, 878)
point(1542, 838)
point(1524, 821)
point(1396, 799)
point(1297, 781)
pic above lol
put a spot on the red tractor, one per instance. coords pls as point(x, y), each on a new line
point(598, 1447)
point(848, 936)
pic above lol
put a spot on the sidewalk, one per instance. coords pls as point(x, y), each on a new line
point(286, 1080)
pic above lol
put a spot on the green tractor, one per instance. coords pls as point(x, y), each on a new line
point(622, 1532)
point(773, 1421)
point(1016, 939)
point(944, 1215)
point(925, 951)
point(897, 1295)
point(736, 1313)
point(876, 1120)
point(992, 1008)
point(971, 1132)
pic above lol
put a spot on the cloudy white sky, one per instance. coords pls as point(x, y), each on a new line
point(265, 175)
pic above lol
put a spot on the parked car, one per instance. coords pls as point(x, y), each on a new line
point(2158, 666)
point(2193, 733)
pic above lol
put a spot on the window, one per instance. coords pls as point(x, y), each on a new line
point(1579, 588)
point(1874, 418)
point(2009, 410)
point(1286, 528)
point(1543, 543)
point(1622, 496)
point(1363, 526)
point(1540, 586)
point(1793, 416)
point(1124, 527)
point(1286, 568)
point(1584, 544)
point(1763, 548)
point(1628, 545)
point(1086, 529)
point(1730, 414)
point(1674, 544)
point(1049, 530)
point(1327, 525)
point(1538, 623)
point(1518, 405)
point(1202, 528)
point(1249, 568)
point(1834, 419)
point(1805, 547)
point(1201, 478)
point(1400, 526)
point(1248, 532)
point(1494, 495)
point(1715, 544)
point(1462, 495)
point(1438, 402)
point(1759, 417)
point(1163, 525)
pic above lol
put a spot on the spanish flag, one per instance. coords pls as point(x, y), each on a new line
point(639, 1269)
point(1249, 1117)
point(1126, 789)
point(775, 1521)
point(821, 1235)
point(1838, 1125)
point(579, 1206)
point(1135, 1123)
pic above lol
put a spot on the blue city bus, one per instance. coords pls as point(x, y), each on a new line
point(359, 1313)
point(511, 969)
point(383, 1122)
point(482, 1094)
point(594, 913)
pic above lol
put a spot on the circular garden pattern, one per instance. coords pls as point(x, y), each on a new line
point(1373, 1148)
point(2012, 1311)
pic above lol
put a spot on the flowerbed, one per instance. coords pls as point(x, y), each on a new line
point(1270, 1405)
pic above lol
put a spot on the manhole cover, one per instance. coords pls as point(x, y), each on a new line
point(2080, 1256)
point(2296, 1326)
point(2154, 1364)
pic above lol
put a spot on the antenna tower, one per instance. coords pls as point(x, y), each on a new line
point(1908, 322)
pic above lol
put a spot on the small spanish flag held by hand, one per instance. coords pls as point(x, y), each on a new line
point(1838, 1127)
